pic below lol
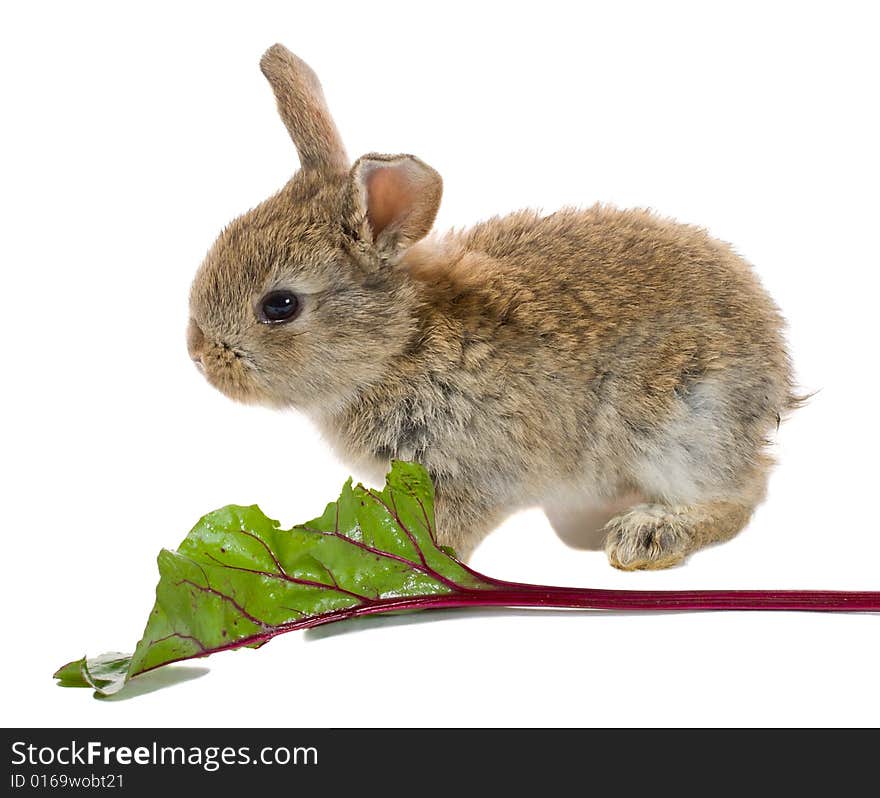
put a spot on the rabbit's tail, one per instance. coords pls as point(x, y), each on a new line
point(793, 401)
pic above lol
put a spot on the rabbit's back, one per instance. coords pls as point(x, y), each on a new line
point(606, 291)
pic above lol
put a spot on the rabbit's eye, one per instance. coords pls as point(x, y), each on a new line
point(278, 306)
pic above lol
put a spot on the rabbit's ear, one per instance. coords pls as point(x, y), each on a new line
point(396, 198)
point(303, 110)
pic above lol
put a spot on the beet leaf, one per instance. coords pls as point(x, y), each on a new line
point(239, 580)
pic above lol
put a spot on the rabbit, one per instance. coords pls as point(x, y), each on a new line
point(597, 355)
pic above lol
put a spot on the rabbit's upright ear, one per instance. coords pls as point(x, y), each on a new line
point(396, 198)
point(303, 110)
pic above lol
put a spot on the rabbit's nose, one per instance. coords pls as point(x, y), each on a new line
point(195, 343)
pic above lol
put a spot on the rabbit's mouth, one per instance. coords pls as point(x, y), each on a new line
point(226, 367)
point(232, 375)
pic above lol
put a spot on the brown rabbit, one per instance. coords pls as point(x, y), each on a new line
point(587, 355)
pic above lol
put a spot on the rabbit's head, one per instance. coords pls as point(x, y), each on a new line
point(298, 302)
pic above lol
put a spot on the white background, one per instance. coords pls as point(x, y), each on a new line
point(130, 137)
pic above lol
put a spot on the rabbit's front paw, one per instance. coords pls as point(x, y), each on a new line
point(648, 536)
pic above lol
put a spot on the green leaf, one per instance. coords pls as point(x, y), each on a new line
point(238, 579)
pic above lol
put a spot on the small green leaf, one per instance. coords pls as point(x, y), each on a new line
point(70, 675)
point(106, 674)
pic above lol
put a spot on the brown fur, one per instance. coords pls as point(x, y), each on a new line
point(527, 361)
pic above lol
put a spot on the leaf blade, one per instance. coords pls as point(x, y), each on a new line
point(238, 579)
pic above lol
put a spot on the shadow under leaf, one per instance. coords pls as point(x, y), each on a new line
point(368, 622)
point(158, 679)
